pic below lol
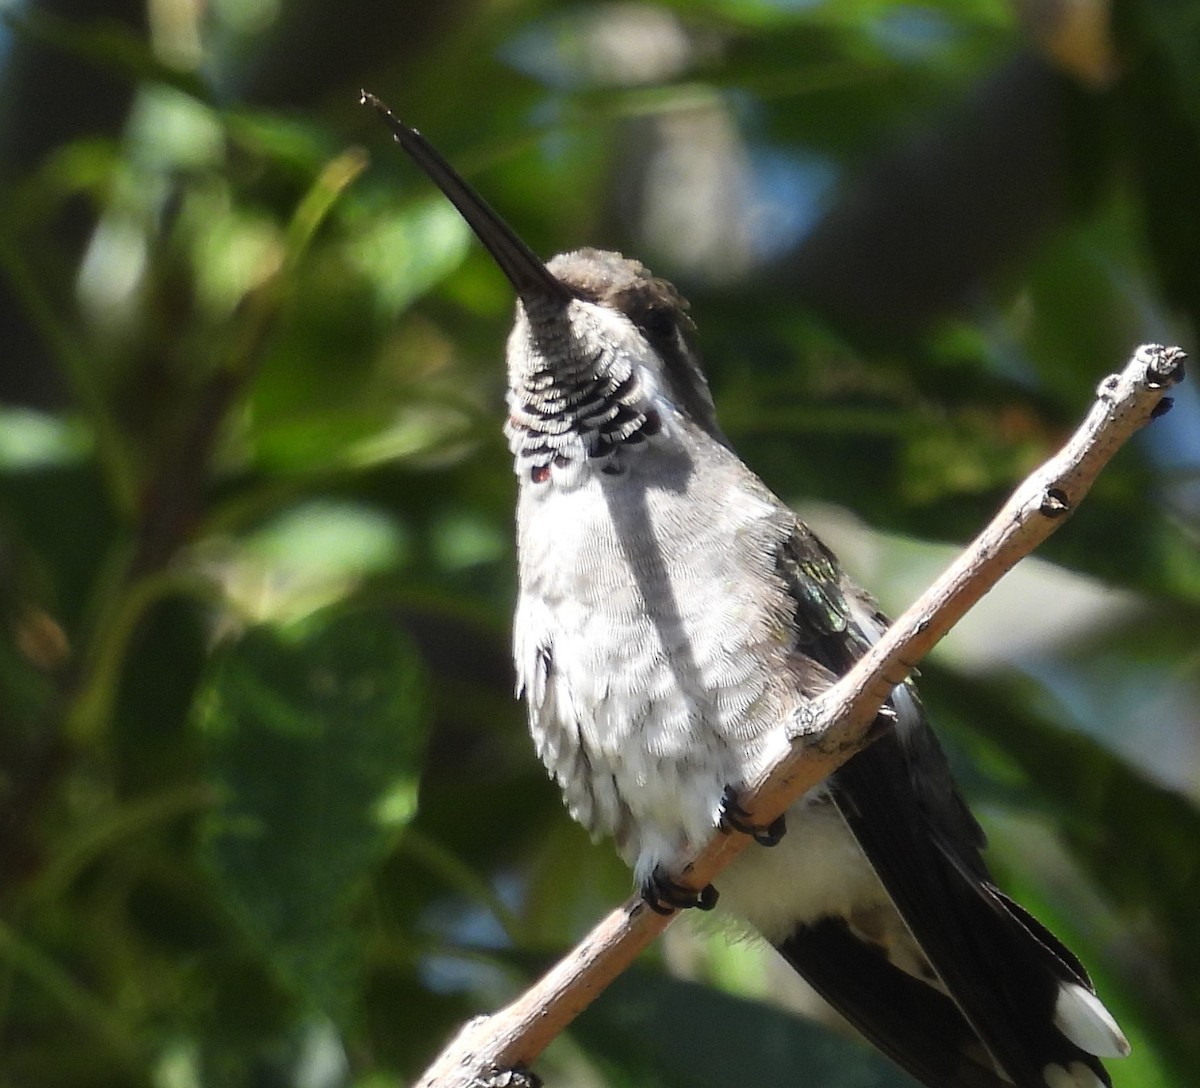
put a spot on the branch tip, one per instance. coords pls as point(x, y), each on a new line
point(1164, 366)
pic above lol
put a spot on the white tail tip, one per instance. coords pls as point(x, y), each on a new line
point(1081, 1017)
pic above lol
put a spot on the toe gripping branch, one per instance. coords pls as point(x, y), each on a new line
point(733, 817)
point(664, 895)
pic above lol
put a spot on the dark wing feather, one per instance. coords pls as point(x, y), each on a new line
point(1001, 967)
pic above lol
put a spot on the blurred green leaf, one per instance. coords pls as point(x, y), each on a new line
point(405, 253)
point(316, 735)
point(107, 43)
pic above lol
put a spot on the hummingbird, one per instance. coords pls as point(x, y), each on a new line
point(673, 615)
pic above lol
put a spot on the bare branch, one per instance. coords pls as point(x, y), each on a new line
point(834, 727)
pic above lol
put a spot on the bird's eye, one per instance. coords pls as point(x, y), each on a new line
point(657, 322)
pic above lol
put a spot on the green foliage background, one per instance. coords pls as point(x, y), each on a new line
point(268, 812)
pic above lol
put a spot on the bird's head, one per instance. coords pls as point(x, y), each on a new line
point(601, 350)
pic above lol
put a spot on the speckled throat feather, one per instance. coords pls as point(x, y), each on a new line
point(578, 404)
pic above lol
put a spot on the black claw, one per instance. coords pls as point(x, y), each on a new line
point(730, 814)
point(734, 818)
point(663, 895)
point(773, 834)
point(656, 898)
point(512, 1078)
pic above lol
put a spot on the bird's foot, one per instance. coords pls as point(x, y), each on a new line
point(664, 895)
point(732, 817)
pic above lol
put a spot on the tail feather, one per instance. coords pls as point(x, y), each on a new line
point(916, 1025)
point(1014, 983)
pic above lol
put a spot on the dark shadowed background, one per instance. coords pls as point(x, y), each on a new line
point(268, 812)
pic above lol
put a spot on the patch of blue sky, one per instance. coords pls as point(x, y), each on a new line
point(912, 34)
point(6, 37)
point(1175, 445)
point(474, 929)
point(790, 192)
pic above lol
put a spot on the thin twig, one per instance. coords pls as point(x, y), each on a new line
point(834, 727)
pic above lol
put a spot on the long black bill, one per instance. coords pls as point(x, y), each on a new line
point(525, 270)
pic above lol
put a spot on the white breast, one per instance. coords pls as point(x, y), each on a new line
point(651, 644)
